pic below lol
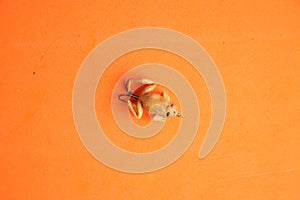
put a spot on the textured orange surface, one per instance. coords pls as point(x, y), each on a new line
point(255, 44)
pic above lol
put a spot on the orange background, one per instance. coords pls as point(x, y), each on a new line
point(256, 46)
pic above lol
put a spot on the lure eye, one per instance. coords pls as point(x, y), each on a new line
point(168, 114)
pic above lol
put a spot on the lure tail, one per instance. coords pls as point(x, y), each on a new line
point(128, 89)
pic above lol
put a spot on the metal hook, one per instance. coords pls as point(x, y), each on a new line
point(127, 95)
